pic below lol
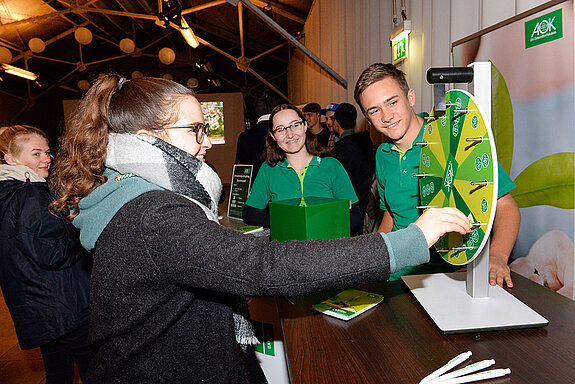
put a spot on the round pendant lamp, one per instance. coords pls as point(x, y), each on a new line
point(193, 82)
point(84, 85)
point(36, 45)
point(83, 36)
point(127, 45)
point(167, 55)
point(5, 55)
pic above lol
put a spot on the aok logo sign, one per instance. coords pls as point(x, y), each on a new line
point(544, 29)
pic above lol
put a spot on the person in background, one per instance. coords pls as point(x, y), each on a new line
point(297, 166)
point(356, 157)
point(312, 117)
point(44, 272)
point(329, 112)
point(168, 285)
point(387, 102)
point(252, 143)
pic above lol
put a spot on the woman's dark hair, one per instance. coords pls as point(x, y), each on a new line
point(111, 105)
point(274, 154)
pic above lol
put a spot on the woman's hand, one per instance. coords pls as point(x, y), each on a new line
point(436, 222)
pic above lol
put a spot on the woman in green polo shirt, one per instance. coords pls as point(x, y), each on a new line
point(297, 165)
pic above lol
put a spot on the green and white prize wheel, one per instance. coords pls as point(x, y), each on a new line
point(458, 168)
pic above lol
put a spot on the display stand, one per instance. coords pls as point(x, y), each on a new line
point(444, 298)
point(459, 168)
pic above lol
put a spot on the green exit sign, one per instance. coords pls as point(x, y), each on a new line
point(400, 49)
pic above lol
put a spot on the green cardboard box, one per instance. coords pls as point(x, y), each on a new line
point(309, 218)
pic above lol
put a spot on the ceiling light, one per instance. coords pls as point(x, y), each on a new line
point(127, 45)
point(167, 55)
point(215, 81)
point(5, 55)
point(83, 85)
point(83, 36)
point(36, 45)
point(205, 65)
point(19, 72)
point(189, 34)
point(193, 82)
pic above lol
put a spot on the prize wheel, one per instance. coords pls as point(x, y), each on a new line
point(458, 168)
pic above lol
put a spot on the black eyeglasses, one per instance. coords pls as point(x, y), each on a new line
point(201, 129)
point(281, 132)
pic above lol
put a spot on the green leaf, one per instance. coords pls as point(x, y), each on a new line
point(548, 181)
point(501, 118)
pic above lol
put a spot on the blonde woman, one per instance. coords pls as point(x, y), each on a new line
point(44, 272)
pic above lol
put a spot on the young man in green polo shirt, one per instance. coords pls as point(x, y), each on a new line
point(387, 102)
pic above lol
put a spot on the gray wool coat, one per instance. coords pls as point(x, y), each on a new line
point(164, 278)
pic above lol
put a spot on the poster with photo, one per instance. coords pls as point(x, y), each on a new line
point(535, 55)
point(214, 116)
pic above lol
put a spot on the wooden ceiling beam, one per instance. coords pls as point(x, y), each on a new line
point(201, 7)
point(280, 9)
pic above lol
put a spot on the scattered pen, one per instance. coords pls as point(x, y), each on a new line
point(464, 371)
point(450, 364)
point(477, 376)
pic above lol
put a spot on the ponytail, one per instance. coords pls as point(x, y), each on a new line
point(79, 168)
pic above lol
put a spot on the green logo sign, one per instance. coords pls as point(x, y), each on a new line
point(399, 50)
point(544, 29)
point(265, 333)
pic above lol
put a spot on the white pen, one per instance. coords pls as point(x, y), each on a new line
point(450, 364)
point(478, 376)
point(464, 371)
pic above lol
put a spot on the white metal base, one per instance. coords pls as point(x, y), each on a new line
point(444, 298)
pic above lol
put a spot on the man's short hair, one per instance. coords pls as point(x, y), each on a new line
point(312, 107)
point(346, 116)
point(375, 73)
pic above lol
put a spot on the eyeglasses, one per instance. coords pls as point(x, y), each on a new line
point(280, 132)
point(201, 129)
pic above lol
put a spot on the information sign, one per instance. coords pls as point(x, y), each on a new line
point(239, 190)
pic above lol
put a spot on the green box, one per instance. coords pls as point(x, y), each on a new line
point(309, 218)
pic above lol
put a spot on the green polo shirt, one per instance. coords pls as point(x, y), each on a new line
point(322, 177)
point(399, 194)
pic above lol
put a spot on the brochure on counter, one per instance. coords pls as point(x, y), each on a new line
point(348, 304)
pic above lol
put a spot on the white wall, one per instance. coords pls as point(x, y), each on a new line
point(349, 35)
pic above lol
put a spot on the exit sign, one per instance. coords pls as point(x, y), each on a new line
point(399, 49)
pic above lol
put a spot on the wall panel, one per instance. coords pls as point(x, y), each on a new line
point(349, 35)
point(495, 11)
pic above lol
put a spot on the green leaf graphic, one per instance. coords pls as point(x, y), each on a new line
point(548, 181)
point(501, 118)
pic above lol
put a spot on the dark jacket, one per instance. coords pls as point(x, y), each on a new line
point(164, 281)
point(43, 268)
point(355, 153)
point(251, 146)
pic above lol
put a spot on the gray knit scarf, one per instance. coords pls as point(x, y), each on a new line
point(167, 166)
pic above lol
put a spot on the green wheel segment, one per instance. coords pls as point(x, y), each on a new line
point(450, 163)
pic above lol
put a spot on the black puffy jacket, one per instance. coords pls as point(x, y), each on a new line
point(44, 271)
